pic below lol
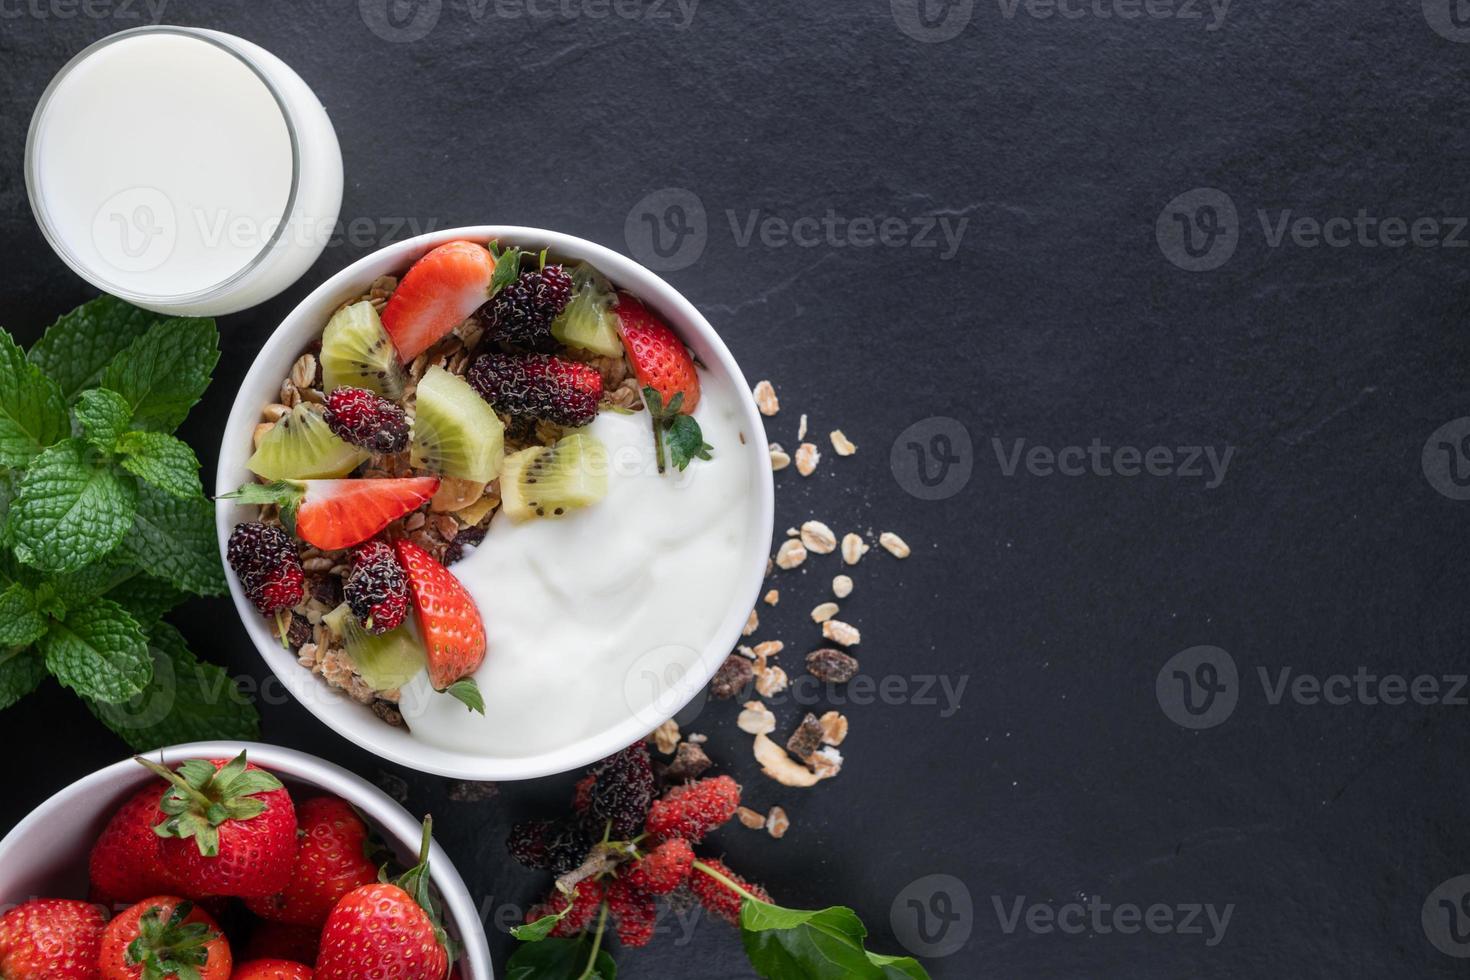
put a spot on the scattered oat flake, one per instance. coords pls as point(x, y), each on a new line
point(893, 544)
point(791, 553)
point(777, 823)
point(756, 719)
point(765, 398)
point(818, 538)
point(666, 736)
point(750, 818)
point(840, 632)
point(769, 648)
point(841, 586)
point(771, 681)
point(801, 429)
point(780, 459)
point(825, 762)
point(834, 727)
point(807, 458)
point(842, 444)
point(792, 532)
point(853, 548)
point(772, 597)
point(752, 623)
point(785, 770)
point(824, 612)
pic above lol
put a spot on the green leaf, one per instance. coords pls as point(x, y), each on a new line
point(76, 589)
point(32, 412)
point(76, 348)
point(72, 509)
point(895, 967)
point(507, 269)
point(685, 440)
point(560, 959)
point(160, 459)
point(534, 932)
point(185, 701)
point(146, 598)
point(175, 540)
point(790, 944)
point(21, 672)
point(104, 416)
point(21, 620)
point(163, 373)
point(99, 651)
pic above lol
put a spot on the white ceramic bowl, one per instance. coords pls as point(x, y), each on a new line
point(46, 854)
point(356, 722)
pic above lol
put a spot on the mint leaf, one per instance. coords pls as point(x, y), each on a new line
point(99, 651)
point(507, 268)
point(104, 416)
point(560, 959)
point(21, 672)
point(32, 413)
point(175, 540)
point(163, 373)
point(21, 620)
point(685, 440)
point(185, 701)
point(791, 944)
point(160, 459)
point(71, 509)
point(76, 348)
point(146, 598)
point(76, 589)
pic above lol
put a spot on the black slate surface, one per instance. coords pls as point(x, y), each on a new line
point(1063, 315)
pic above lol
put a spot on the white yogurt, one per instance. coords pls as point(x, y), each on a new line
point(590, 618)
point(187, 171)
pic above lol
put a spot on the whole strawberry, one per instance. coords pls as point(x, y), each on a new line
point(269, 567)
point(694, 809)
point(386, 931)
point(717, 897)
point(449, 623)
point(664, 869)
point(367, 419)
point(225, 828)
point(164, 937)
point(51, 939)
point(522, 311)
point(539, 386)
point(125, 866)
point(331, 860)
point(377, 588)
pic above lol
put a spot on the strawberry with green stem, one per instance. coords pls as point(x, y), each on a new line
point(337, 514)
point(164, 937)
point(225, 828)
point(449, 623)
point(669, 380)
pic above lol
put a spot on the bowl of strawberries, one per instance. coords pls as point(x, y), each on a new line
point(224, 860)
point(495, 501)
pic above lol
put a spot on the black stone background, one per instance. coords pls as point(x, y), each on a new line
point(1058, 320)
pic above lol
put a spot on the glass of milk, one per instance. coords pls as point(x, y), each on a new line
point(184, 170)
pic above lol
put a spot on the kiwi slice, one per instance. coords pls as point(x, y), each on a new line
point(550, 481)
point(455, 431)
point(385, 661)
point(301, 447)
point(588, 321)
point(357, 353)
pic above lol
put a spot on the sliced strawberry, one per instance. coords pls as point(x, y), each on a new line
point(659, 358)
point(440, 290)
point(334, 514)
point(453, 633)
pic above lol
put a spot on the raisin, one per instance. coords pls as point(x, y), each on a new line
point(831, 666)
point(734, 676)
point(807, 738)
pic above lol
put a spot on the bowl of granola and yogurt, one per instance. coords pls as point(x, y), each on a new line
point(496, 501)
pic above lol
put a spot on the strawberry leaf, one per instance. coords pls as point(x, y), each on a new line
point(467, 692)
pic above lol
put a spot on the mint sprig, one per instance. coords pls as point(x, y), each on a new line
point(672, 428)
point(104, 525)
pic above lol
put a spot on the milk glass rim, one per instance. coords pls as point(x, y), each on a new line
point(225, 43)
